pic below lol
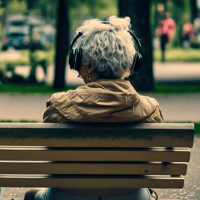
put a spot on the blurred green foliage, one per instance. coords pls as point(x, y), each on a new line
point(19, 121)
point(16, 6)
point(81, 10)
point(34, 7)
point(162, 89)
point(176, 88)
point(31, 89)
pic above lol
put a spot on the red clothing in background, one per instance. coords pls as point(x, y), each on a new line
point(167, 27)
point(188, 31)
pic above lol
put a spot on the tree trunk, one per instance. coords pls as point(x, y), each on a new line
point(194, 10)
point(5, 4)
point(32, 76)
point(62, 43)
point(139, 12)
point(30, 4)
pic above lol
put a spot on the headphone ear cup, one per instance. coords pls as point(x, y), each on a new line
point(71, 59)
point(78, 60)
point(75, 59)
point(136, 62)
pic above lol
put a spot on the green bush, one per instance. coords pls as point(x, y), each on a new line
point(31, 89)
point(3, 77)
point(195, 45)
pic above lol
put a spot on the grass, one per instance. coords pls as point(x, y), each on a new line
point(18, 89)
point(178, 55)
point(197, 128)
point(176, 88)
point(19, 121)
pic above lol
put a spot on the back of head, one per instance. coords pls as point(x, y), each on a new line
point(108, 45)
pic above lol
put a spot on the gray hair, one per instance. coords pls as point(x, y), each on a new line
point(109, 45)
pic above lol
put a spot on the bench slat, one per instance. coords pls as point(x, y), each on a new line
point(159, 141)
point(50, 154)
point(166, 135)
point(93, 183)
point(92, 168)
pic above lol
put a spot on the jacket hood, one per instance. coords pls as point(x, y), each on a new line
point(104, 101)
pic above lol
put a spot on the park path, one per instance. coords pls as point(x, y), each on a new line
point(180, 107)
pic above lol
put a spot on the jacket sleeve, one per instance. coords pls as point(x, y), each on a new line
point(155, 117)
point(52, 114)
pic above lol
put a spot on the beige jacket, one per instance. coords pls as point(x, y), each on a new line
point(103, 101)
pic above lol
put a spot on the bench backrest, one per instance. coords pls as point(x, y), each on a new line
point(94, 156)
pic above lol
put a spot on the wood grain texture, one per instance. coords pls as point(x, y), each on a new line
point(101, 182)
point(93, 168)
point(159, 141)
point(56, 154)
point(91, 135)
point(139, 126)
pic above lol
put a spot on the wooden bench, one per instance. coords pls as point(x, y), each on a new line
point(95, 158)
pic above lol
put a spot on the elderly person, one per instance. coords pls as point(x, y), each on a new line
point(103, 53)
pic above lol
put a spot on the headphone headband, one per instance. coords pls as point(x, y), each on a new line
point(74, 40)
point(136, 39)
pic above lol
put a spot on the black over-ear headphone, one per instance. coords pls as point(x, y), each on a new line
point(75, 56)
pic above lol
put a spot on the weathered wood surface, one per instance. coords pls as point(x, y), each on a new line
point(57, 154)
point(159, 141)
point(93, 182)
point(149, 126)
point(112, 168)
point(163, 135)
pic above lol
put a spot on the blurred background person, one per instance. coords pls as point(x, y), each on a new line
point(166, 31)
point(187, 34)
point(197, 28)
point(160, 14)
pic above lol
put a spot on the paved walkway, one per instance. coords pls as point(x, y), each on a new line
point(173, 72)
point(181, 107)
